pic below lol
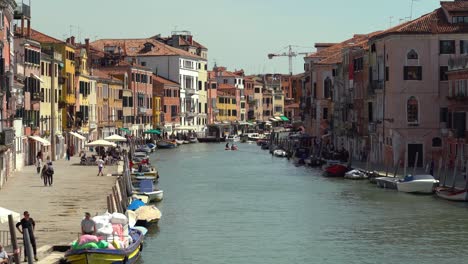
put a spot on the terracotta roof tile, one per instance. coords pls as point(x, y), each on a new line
point(136, 47)
point(43, 38)
point(226, 86)
point(433, 23)
point(163, 80)
point(455, 6)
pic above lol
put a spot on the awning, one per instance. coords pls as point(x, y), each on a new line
point(186, 128)
point(44, 142)
point(4, 213)
point(277, 118)
point(126, 130)
point(153, 131)
point(37, 77)
point(77, 135)
point(284, 118)
point(272, 119)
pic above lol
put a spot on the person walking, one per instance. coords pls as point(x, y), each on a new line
point(28, 224)
point(100, 164)
point(38, 164)
point(68, 153)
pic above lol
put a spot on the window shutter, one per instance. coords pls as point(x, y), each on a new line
point(419, 73)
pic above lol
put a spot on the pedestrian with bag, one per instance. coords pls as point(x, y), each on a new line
point(48, 173)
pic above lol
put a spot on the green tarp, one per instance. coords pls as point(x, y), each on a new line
point(284, 118)
point(125, 129)
point(153, 131)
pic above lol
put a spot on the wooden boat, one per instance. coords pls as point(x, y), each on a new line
point(179, 142)
point(417, 184)
point(129, 255)
point(452, 194)
point(154, 196)
point(146, 187)
point(193, 140)
point(166, 144)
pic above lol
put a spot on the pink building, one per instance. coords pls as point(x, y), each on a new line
point(408, 65)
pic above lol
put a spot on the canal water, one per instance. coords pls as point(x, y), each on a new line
point(249, 207)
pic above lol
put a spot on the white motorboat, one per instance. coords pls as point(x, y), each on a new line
point(279, 153)
point(154, 196)
point(179, 142)
point(254, 136)
point(452, 194)
point(193, 140)
point(417, 184)
point(186, 142)
point(233, 138)
point(356, 175)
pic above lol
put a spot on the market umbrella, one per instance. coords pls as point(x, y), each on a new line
point(4, 213)
point(100, 143)
point(115, 138)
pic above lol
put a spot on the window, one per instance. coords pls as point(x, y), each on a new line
point(443, 114)
point(327, 88)
point(447, 46)
point(325, 113)
point(213, 86)
point(387, 73)
point(463, 46)
point(257, 90)
point(173, 110)
point(412, 55)
point(143, 63)
point(373, 49)
point(412, 110)
point(225, 81)
point(443, 73)
point(242, 105)
point(234, 101)
point(412, 73)
point(460, 20)
point(436, 142)
point(234, 112)
point(200, 85)
point(358, 64)
point(278, 109)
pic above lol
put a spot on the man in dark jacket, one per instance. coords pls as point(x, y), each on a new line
point(29, 224)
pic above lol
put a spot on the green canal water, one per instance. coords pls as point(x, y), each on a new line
point(249, 207)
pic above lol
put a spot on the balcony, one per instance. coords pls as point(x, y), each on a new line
point(141, 110)
point(7, 137)
point(189, 92)
point(22, 11)
point(37, 97)
point(457, 93)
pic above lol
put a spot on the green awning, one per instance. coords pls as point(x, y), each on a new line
point(153, 131)
point(284, 118)
point(126, 130)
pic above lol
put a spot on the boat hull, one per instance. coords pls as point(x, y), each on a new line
point(452, 195)
point(417, 186)
point(387, 182)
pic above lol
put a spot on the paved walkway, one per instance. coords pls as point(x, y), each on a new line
point(58, 209)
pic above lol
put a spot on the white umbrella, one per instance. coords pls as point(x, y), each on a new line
point(100, 143)
point(4, 213)
point(115, 138)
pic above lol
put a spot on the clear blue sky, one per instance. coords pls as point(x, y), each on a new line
point(238, 33)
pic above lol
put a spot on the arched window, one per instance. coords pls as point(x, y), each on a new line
point(412, 111)
point(327, 88)
point(437, 142)
point(412, 55)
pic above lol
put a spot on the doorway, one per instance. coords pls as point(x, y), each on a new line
point(412, 150)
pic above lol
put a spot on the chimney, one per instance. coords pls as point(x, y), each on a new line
point(72, 40)
point(87, 44)
point(67, 41)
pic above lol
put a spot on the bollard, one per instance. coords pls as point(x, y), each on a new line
point(28, 250)
point(14, 241)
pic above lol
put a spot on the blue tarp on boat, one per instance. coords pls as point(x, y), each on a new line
point(135, 204)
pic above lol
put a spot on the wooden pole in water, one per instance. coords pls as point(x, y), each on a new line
point(406, 163)
point(455, 173)
point(14, 241)
point(27, 245)
point(109, 206)
point(415, 163)
point(466, 179)
point(440, 168)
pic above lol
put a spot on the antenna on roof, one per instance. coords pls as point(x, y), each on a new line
point(411, 10)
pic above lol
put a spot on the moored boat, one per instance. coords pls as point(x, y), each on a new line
point(233, 138)
point(387, 182)
point(336, 170)
point(356, 175)
point(452, 194)
point(417, 184)
point(128, 255)
point(179, 142)
point(166, 144)
point(279, 153)
point(193, 140)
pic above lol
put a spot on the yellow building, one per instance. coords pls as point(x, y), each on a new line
point(227, 106)
point(66, 78)
point(83, 87)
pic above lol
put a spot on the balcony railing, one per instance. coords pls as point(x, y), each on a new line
point(142, 110)
point(22, 10)
point(189, 91)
